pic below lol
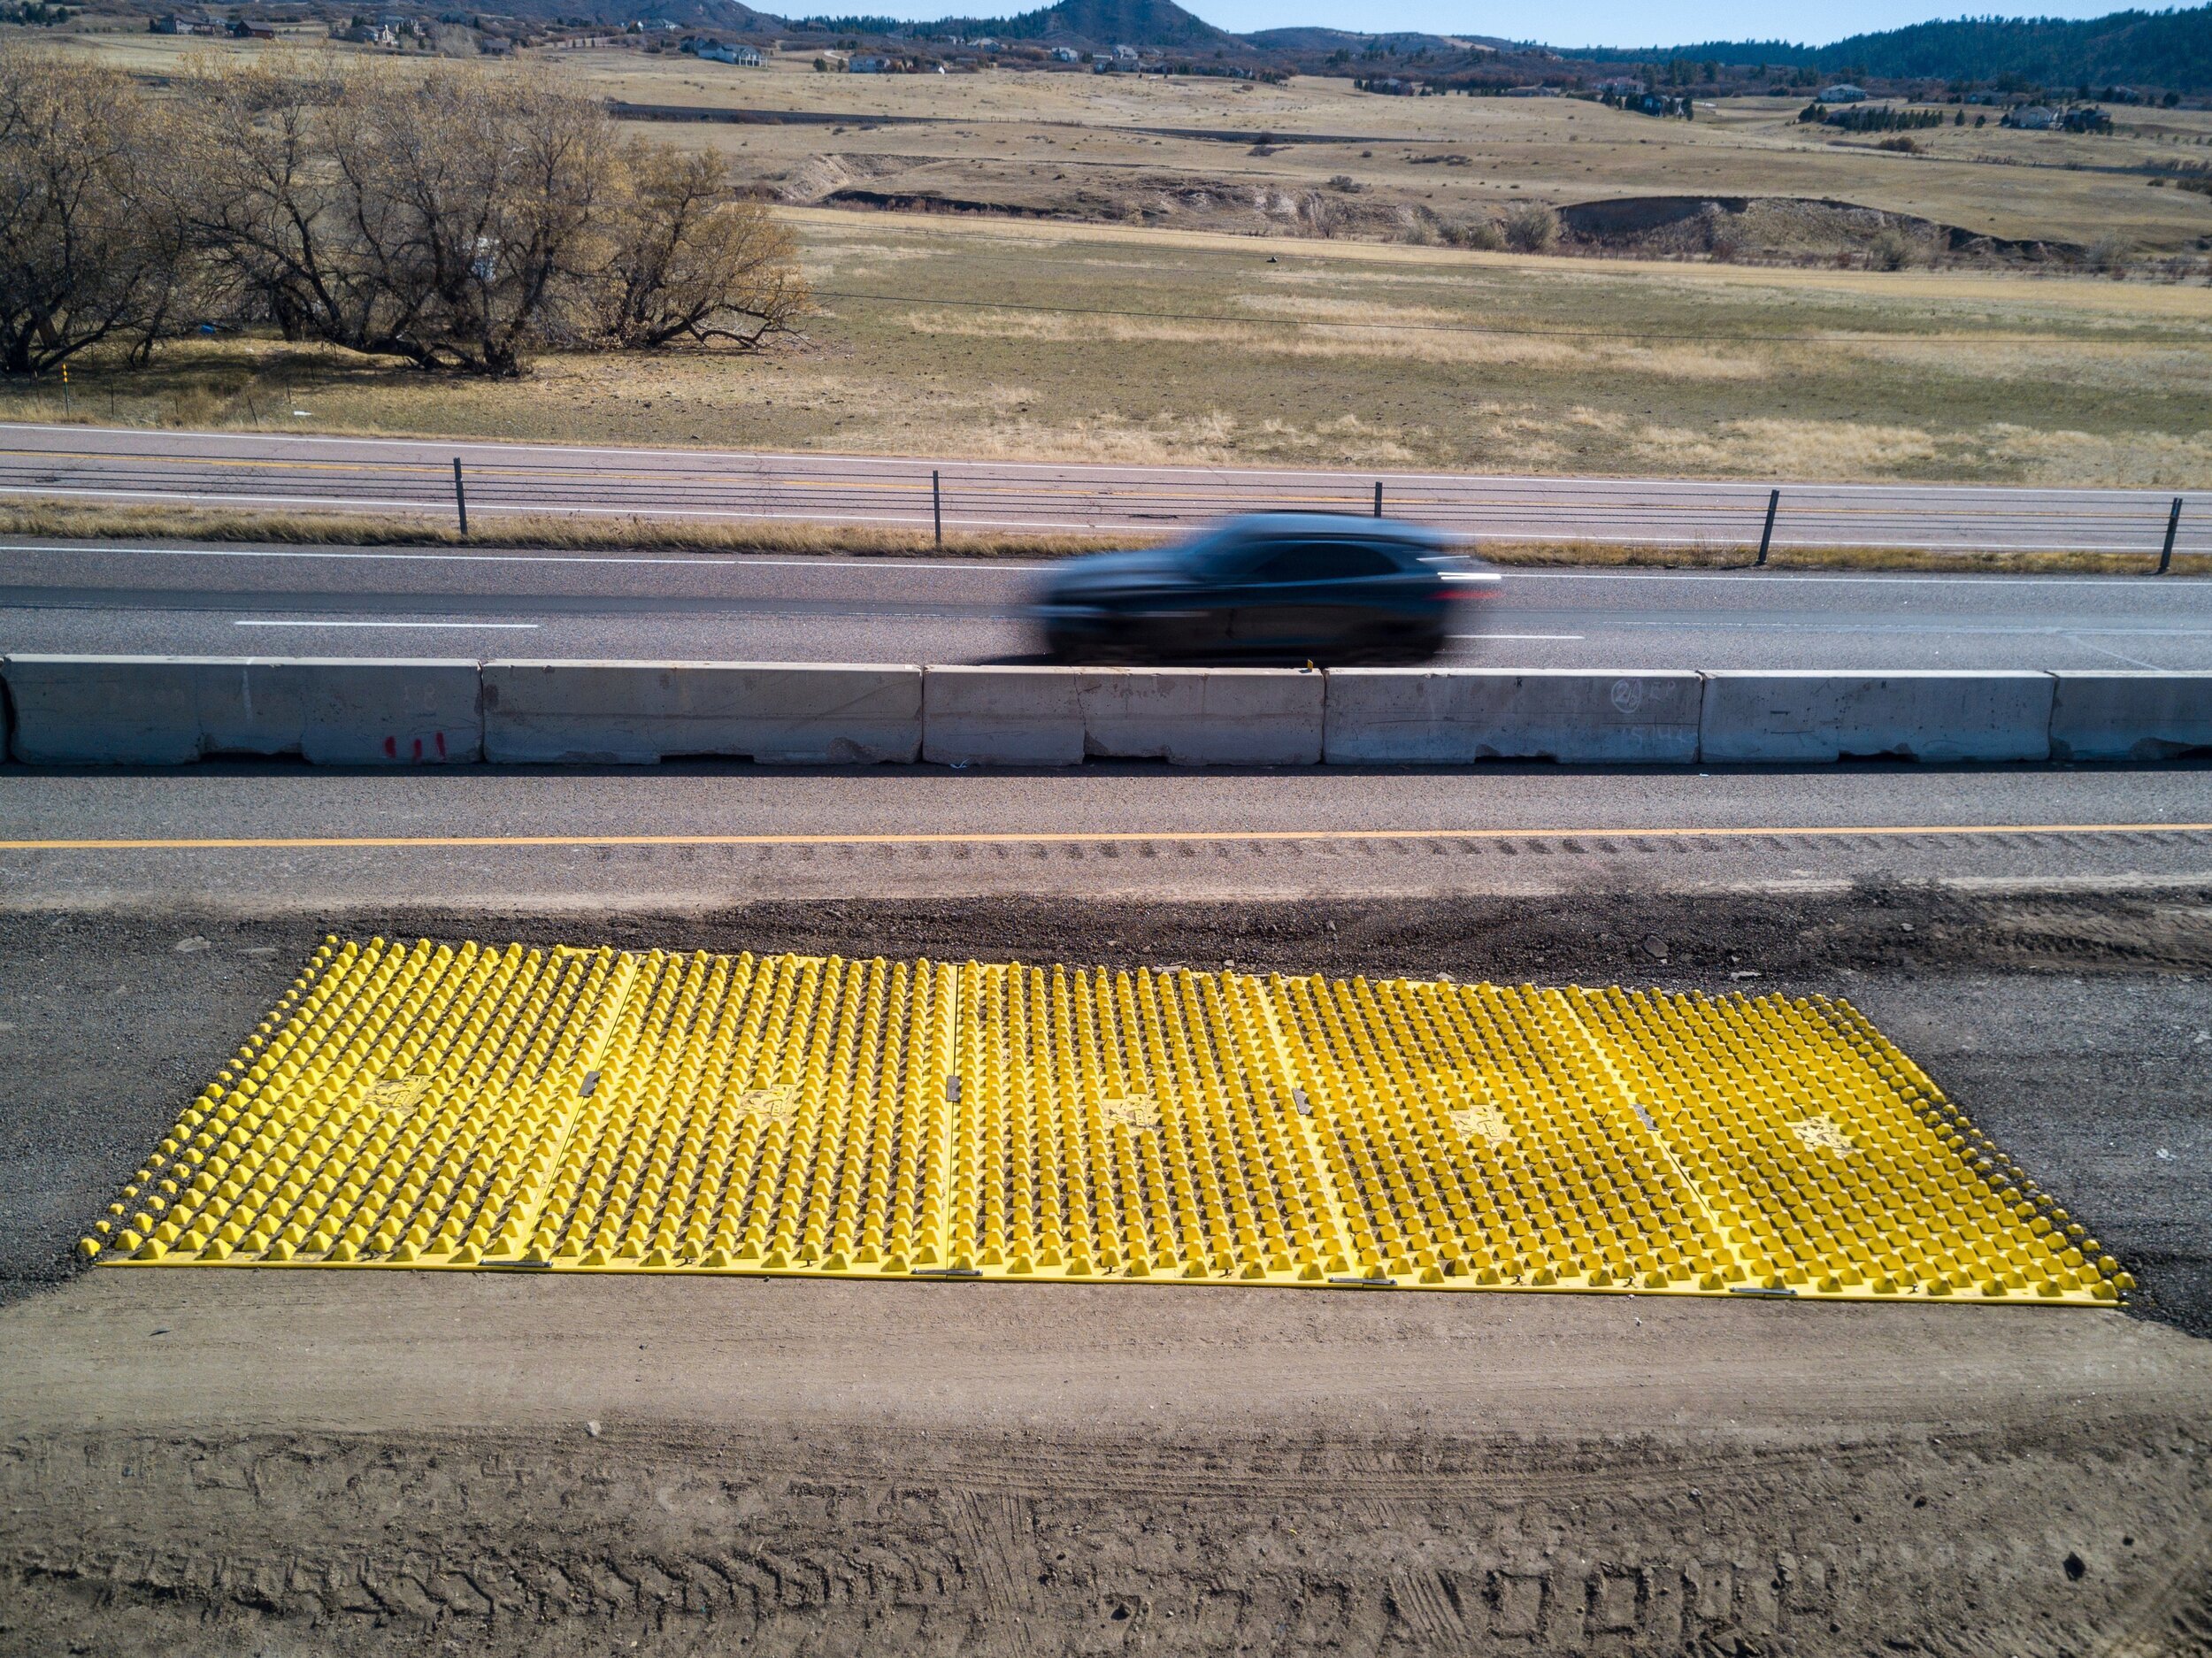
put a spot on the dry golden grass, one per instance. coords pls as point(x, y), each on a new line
point(73, 520)
point(1074, 142)
point(1388, 337)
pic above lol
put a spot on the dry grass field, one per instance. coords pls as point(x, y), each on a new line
point(1117, 146)
point(1167, 331)
point(983, 338)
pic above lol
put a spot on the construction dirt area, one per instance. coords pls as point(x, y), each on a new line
point(274, 1461)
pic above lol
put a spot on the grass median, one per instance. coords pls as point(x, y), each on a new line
point(74, 521)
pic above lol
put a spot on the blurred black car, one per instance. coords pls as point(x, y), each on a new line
point(1290, 585)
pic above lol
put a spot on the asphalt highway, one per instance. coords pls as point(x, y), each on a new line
point(277, 838)
point(182, 599)
point(133, 466)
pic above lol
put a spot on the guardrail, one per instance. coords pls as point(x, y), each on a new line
point(484, 481)
point(170, 710)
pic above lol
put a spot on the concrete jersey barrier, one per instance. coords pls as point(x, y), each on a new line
point(169, 710)
point(1064, 715)
point(1450, 716)
point(2130, 715)
point(1812, 717)
point(642, 712)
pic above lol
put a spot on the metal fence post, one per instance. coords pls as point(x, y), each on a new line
point(2173, 525)
point(1378, 497)
point(460, 496)
point(1766, 536)
point(937, 506)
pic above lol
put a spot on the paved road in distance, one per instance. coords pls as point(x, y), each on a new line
point(324, 602)
point(289, 472)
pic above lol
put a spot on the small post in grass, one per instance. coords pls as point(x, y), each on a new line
point(460, 496)
point(2173, 527)
point(937, 506)
point(1378, 497)
point(1766, 536)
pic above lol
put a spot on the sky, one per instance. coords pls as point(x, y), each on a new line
point(1567, 22)
point(1620, 22)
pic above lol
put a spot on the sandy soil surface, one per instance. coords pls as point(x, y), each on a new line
point(259, 1462)
point(263, 1462)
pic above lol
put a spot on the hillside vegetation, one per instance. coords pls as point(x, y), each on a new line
point(2161, 49)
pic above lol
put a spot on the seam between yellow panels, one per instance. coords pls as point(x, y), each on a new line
point(1309, 1121)
point(616, 1002)
point(948, 1159)
point(1696, 1190)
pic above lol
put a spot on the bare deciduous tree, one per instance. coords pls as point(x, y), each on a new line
point(454, 219)
point(84, 258)
point(685, 264)
point(443, 218)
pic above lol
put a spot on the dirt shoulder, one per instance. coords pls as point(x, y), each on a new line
point(220, 1461)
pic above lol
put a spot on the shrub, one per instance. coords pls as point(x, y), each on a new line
point(1483, 235)
point(2110, 254)
point(1530, 227)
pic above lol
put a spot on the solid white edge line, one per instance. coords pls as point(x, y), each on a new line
point(891, 561)
point(287, 622)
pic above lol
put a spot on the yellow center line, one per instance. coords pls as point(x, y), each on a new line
point(1067, 837)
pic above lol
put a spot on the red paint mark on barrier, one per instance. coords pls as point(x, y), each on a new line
point(391, 747)
point(442, 745)
point(418, 754)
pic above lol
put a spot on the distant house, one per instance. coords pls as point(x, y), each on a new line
point(2032, 118)
point(1066, 55)
point(1623, 88)
point(987, 44)
point(869, 66)
point(242, 30)
point(1843, 92)
point(1532, 92)
point(496, 46)
point(175, 23)
point(723, 52)
point(1125, 54)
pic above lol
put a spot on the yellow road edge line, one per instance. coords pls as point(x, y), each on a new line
point(1067, 837)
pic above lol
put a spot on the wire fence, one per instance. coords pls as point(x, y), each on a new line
point(302, 474)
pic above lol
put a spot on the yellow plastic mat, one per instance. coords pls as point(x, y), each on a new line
point(428, 1105)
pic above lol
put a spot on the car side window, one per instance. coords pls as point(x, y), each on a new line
point(1322, 561)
